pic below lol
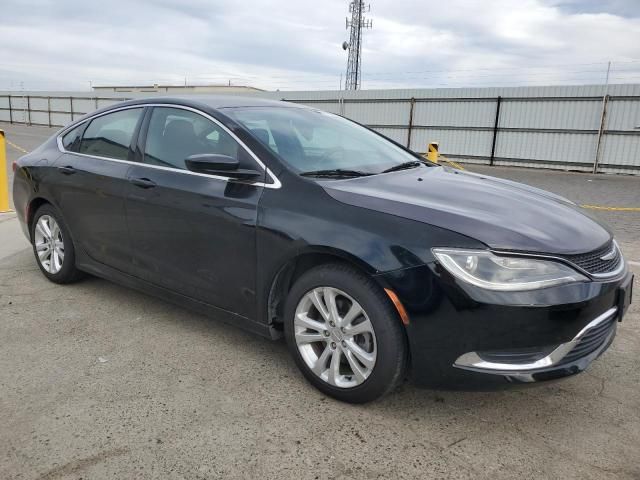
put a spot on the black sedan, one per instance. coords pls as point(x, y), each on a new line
point(286, 220)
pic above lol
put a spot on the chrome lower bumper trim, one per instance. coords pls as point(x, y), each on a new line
point(472, 361)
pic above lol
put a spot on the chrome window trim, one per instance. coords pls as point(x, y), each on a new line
point(276, 182)
point(472, 361)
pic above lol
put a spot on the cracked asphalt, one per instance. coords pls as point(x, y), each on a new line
point(98, 381)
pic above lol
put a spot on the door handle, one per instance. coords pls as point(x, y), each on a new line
point(68, 170)
point(143, 182)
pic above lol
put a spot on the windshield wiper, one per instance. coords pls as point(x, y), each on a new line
point(404, 166)
point(335, 173)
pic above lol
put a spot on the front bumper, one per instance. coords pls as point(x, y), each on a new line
point(533, 365)
point(465, 337)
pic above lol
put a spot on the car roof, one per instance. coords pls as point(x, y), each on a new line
point(215, 101)
point(227, 101)
point(201, 102)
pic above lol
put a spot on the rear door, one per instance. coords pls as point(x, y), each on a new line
point(89, 182)
point(194, 233)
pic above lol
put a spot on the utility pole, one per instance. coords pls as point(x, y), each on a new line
point(357, 8)
point(603, 119)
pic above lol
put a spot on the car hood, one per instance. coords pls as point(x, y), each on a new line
point(502, 214)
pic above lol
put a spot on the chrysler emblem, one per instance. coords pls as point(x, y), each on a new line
point(609, 256)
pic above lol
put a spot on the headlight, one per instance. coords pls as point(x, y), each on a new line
point(487, 270)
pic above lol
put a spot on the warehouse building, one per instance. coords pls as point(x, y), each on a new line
point(178, 89)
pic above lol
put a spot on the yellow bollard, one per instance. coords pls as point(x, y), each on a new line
point(4, 179)
point(432, 152)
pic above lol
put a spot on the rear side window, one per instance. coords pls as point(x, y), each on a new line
point(71, 140)
point(110, 135)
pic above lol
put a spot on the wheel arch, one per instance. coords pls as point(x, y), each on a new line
point(280, 284)
point(32, 207)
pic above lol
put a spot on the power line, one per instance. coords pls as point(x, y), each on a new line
point(476, 69)
point(621, 71)
point(618, 66)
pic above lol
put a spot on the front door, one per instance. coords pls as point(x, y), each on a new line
point(193, 233)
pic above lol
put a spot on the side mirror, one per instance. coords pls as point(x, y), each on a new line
point(217, 164)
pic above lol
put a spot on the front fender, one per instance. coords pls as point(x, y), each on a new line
point(305, 219)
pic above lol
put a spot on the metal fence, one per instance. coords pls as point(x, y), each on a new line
point(587, 128)
point(50, 110)
point(572, 128)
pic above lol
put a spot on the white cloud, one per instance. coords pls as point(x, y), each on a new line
point(51, 44)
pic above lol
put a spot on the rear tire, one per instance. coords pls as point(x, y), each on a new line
point(356, 351)
point(53, 247)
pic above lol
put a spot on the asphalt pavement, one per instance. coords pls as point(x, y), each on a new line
point(98, 381)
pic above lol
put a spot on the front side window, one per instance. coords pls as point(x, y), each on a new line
point(110, 135)
point(71, 140)
point(311, 140)
point(175, 134)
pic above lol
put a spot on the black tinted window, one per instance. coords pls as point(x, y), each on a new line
point(175, 134)
point(71, 140)
point(110, 135)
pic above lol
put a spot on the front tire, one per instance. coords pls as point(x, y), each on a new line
point(53, 247)
point(344, 334)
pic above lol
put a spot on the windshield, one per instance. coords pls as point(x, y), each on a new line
point(311, 141)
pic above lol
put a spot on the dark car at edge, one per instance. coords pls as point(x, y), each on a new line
point(373, 263)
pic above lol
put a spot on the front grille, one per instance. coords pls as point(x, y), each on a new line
point(593, 264)
point(592, 340)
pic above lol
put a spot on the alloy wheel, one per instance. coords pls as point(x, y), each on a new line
point(49, 244)
point(335, 337)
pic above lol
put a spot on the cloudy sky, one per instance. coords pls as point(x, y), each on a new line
point(295, 45)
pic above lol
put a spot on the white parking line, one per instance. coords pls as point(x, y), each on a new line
point(635, 264)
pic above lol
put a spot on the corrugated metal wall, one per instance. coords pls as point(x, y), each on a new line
point(548, 127)
point(50, 108)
